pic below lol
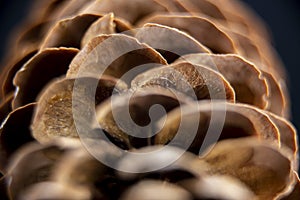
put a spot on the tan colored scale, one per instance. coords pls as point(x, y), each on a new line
point(54, 113)
point(9, 71)
point(255, 156)
point(201, 119)
point(114, 55)
point(107, 24)
point(42, 68)
point(161, 37)
point(202, 30)
point(34, 164)
point(263, 168)
point(68, 32)
point(195, 81)
point(246, 80)
point(135, 9)
point(129, 113)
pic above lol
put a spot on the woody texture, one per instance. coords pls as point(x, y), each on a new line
point(145, 100)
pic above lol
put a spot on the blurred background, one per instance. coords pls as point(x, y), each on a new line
point(283, 20)
point(282, 17)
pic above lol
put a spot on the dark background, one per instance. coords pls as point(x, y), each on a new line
point(282, 17)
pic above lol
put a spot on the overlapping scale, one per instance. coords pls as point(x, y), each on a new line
point(53, 116)
point(13, 136)
point(196, 81)
point(34, 75)
point(203, 30)
point(215, 121)
point(193, 80)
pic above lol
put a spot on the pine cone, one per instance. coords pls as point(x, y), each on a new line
point(145, 99)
